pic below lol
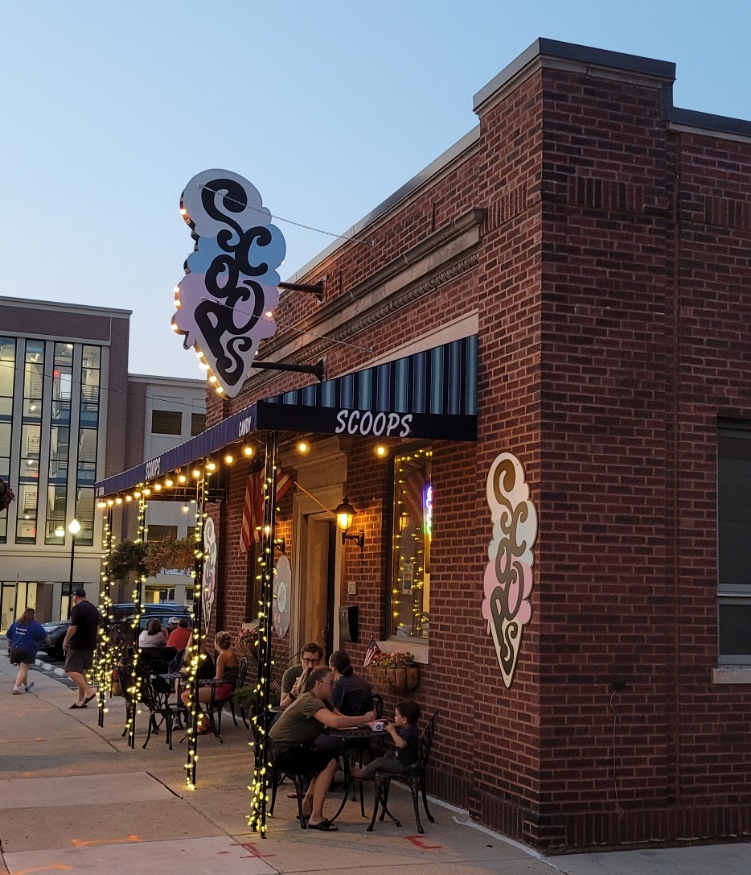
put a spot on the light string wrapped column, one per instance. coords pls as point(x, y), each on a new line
point(199, 633)
point(261, 717)
point(104, 659)
point(134, 693)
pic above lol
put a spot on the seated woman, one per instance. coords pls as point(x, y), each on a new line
point(300, 724)
point(153, 635)
point(226, 671)
point(352, 695)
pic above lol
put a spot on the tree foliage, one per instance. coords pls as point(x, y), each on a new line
point(127, 558)
point(170, 555)
point(147, 560)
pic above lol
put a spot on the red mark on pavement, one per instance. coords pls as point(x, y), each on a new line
point(419, 842)
point(252, 850)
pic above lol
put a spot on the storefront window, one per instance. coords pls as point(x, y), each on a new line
point(734, 545)
point(411, 535)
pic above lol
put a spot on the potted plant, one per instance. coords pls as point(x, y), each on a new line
point(246, 643)
point(397, 670)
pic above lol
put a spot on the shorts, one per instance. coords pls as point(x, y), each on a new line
point(79, 660)
point(18, 655)
point(223, 692)
point(304, 760)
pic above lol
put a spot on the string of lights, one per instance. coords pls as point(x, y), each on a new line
point(196, 654)
point(104, 663)
point(264, 212)
point(261, 718)
point(269, 317)
point(134, 691)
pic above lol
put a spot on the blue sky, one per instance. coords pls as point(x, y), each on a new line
point(327, 107)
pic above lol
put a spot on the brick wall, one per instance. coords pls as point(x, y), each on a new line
point(611, 287)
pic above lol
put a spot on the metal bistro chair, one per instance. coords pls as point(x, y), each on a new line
point(127, 685)
point(279, 771)
point(155, 660)
point(155, 694)
point(213, 709)
point(242, 671)
point(416, 781)
point(276, 771)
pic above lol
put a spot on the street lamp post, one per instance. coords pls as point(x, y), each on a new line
point(74, 527)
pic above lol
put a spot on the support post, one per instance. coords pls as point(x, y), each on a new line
point(104, 663)
point(199, 630)
point(261, 717)
point(135, 691)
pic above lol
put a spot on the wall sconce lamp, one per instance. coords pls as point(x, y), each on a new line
point(344, 516)
point(281, 545)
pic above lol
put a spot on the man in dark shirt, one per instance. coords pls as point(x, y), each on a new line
point(79, 646)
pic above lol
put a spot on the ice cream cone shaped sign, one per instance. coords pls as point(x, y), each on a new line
point(224, 302)
point(508, 575)
point(208, 583)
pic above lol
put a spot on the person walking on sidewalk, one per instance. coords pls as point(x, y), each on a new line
point(25, 636)
point(79, 646)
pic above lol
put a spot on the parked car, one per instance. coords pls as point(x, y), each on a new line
point(56, 635)
point(122, 629)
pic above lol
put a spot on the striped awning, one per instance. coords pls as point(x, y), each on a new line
point(430, 394)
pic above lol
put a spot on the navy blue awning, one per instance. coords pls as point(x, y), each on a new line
point(430, 394)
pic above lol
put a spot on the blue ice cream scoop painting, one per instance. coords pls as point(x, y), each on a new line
point(224, 302)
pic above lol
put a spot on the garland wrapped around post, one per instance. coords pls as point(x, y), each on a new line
point(261, 718)
point(199, 633)
point(134, 693)
point(104, 659)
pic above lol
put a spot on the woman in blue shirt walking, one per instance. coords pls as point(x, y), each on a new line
point(25, 637)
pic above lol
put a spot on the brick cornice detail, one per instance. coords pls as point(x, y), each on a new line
point(429, 265)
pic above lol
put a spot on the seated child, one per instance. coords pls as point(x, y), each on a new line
point(407, 740)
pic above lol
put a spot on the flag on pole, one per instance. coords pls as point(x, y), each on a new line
point(373, 648)
point(250, 530)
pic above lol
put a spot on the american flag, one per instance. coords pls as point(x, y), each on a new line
point(253, 506)
point(373, 648)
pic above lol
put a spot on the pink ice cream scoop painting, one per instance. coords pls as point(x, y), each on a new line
point(508, 575)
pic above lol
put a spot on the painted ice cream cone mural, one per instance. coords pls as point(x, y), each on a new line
point(508, 576)
point(208, 582)
point(225, 300)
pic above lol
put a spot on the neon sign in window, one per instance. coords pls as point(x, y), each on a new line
point(428, 510)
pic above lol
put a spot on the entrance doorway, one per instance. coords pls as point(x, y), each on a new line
point(317, 582)
point(14, 599)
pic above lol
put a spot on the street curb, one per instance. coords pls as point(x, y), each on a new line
point(52, 669)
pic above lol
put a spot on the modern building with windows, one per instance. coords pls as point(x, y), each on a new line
point(167, 411)
point(537, 401)
point(65, 396)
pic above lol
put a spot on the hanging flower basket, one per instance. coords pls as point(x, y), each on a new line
point(397, 671)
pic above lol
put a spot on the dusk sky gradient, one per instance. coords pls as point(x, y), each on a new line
point(108, 110)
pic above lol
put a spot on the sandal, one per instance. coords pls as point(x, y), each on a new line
point(324, 826)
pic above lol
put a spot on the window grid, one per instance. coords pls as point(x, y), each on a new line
point(734, 544)
point(87, 442)
point(29, 450)
point(7, 375)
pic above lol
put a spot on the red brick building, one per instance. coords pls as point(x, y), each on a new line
point(592, 243)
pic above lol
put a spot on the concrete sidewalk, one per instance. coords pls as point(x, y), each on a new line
point(75, 798)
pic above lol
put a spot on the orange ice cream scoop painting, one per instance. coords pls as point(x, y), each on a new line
point(508, 575)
